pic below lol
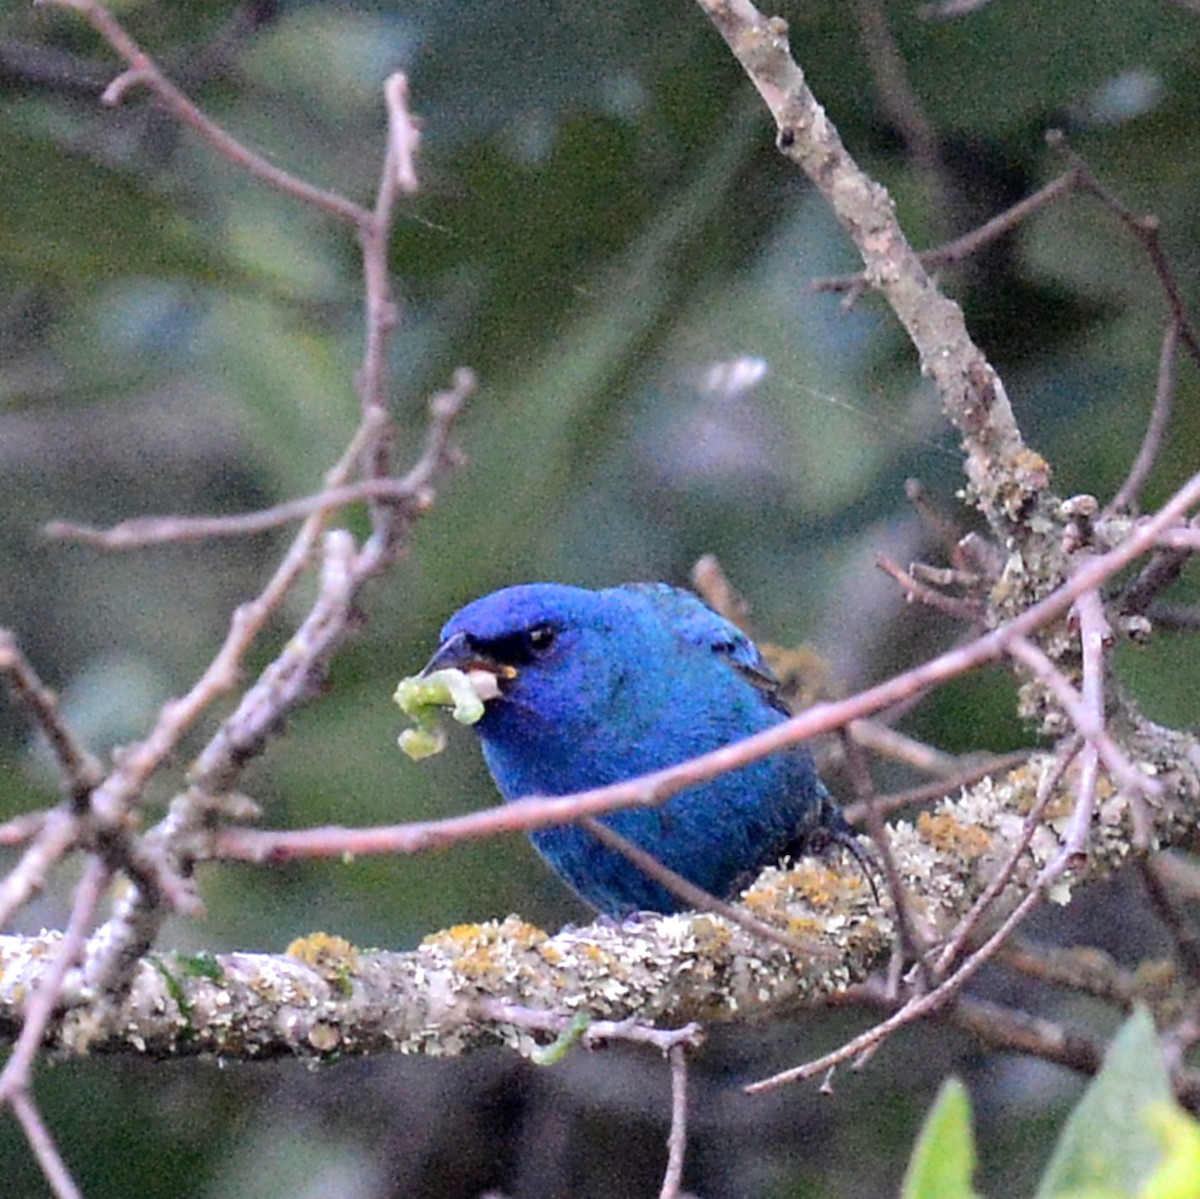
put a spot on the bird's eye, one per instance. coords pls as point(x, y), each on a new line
point(541, 638)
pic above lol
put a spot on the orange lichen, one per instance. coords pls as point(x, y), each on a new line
point(494, 949)
point(331, 957)
point(467, 937)
point(949, 835)
point(809, 883)
point(805, 927)
point(823, 887)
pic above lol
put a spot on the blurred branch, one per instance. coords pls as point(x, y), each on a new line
point(969, 243)
point(1127, 494)
point(1164, 567)
point(144, 531)
point(1145, 229)
point(1009, 1029)
point(144, 72)
point(899, 100)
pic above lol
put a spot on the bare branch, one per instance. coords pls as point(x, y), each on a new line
point(38, 1003)
point(59, 833)
point(1009, 1030)
point(964, 932)
point(81, 772)
point(1006, 478)
point(969, 771)
point(145, 531)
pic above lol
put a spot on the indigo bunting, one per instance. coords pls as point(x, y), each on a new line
point(592, 687)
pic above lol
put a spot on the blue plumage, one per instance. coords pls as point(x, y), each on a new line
point(599, 686)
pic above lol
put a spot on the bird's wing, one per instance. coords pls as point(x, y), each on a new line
point(698, 624)
point(744, 656)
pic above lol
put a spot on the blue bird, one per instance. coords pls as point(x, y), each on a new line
point(599, 686)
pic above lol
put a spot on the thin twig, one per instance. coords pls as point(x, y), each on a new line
point(695, 897)
point(1160, 415)
point(915, 1009)
point(501, 1011)
point(145, 531)
point(677, 1139)
point(914, 589)
point(909, 947)
point(58, 834)
point(899, 100)
point(380, 313)
point(81, 771)
point(964, 776)
point(965, 929)
point(1146, 229)
point(146, 73)
point(1173, 618)
point(290, 678)
point(1083, 971)
point(925, 1005)
point(1163, 569)
point(45, 1151)
point(888, 743)
point(969, 243)
point(41, 1004)
point(22, 828)
point(1187, 943)
point(1082, 716)
point(1012, 1031)
point(715, 588)
point(912, 945)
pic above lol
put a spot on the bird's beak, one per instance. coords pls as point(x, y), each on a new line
point(485, 673)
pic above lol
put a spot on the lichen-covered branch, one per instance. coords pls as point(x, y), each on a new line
point(326, 997)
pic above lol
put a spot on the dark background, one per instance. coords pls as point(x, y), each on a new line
point(602, 217)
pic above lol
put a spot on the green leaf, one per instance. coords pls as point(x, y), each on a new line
point(1110, 1144)
point(944, 1158)
point(1178, 1174)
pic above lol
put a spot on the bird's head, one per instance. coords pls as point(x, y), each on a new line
point(540, 656)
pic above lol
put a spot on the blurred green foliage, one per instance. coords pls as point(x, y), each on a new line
point(1127, 1137)
point(602, 217)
